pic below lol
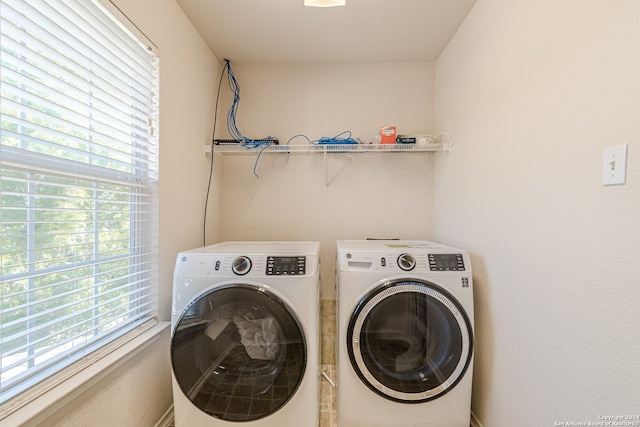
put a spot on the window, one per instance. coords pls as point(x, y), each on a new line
point(78, 188)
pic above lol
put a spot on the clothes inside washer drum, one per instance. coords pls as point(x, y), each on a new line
point(259, 331)
point(259, 336)
point(236, 364)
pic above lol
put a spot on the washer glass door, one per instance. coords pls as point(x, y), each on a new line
point(409, 341)
point(238, 352)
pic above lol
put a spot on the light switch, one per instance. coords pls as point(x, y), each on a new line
point(614, 166)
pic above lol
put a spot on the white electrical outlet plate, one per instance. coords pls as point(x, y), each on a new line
point(614, 165)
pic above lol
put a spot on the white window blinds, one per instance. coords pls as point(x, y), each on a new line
point(78, 187)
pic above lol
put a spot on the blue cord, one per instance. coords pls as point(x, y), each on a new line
point(231, 120)
point(255, 165)
point(299, 136)
point(336, 140)
point(264, 143)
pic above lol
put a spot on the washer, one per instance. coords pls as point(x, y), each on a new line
point(245, 331)
point(405, 334)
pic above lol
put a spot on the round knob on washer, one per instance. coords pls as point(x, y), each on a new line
point(241, 265)
point(406, 262)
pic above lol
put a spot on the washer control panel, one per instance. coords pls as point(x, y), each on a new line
point(286, 265)
point(401, 257)
point(446, 262)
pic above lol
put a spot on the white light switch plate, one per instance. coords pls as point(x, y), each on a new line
point(614, 165)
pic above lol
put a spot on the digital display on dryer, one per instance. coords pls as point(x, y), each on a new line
point(446, 262)
point(286, 265)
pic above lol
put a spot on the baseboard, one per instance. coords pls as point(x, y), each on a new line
point(167, 418)
point(475, 422)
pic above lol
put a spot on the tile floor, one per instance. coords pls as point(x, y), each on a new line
point(328, 412)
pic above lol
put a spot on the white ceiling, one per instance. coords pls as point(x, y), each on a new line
point(285, 31)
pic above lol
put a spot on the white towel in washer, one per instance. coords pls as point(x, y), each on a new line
point(259, 336)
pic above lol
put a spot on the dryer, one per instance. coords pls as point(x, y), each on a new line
point(404, 334)
point(244, 340)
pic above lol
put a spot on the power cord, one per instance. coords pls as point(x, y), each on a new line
point(213, 135)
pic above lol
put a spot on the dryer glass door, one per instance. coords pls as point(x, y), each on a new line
point(409, 341)
point(238, 352)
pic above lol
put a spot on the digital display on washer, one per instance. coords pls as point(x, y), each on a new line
point(286, 265)
point(446, 262)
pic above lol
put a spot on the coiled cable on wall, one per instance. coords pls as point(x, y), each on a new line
point(341, 138)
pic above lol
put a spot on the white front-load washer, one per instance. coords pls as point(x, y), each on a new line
point(404, 334)
point(245, 335)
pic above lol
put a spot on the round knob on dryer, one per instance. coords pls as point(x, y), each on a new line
point(241, 265)
point(406, 262)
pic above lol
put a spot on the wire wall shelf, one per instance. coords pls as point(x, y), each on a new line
point(328, 149)
point(332, 148)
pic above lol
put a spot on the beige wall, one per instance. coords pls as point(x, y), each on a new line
point(533, 92)
point(138, 393)
point(361, 195)
point(135, 394)
point(318, 100)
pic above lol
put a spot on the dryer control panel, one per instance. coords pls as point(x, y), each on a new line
point(286, 265)
point(411, 261)
point(446, 262)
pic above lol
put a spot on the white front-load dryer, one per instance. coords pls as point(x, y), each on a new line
point(404, 334)
point(244, 340)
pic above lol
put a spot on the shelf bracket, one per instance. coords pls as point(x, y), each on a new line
point(326, 178)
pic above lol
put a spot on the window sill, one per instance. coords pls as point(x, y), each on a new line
point(37, 410)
